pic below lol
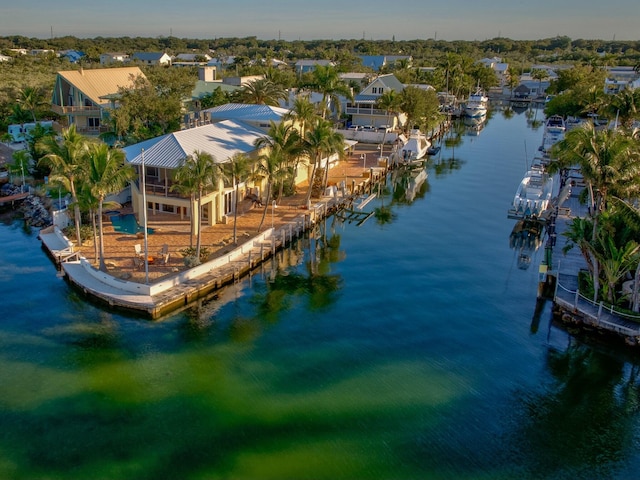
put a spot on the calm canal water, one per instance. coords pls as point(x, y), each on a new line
point(404, 348)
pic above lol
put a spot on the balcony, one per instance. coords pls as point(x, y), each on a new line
point(76, 110)
point(365, 111)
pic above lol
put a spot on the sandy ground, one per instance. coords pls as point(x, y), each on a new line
point(218, 239)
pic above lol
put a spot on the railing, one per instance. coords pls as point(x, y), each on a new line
point(79, 109)
point(365, 111)
point(598, 314)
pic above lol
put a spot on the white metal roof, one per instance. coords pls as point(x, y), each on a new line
point(248, 112)
point(221, 140)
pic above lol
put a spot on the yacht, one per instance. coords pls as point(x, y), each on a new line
point(476, 105)
point(415, 148)
point(533, 194)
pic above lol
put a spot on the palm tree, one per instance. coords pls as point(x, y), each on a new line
point(316, 142)
point(303, 112)
point(271, 169)
point(199, 172)
point(66, 160)
point(609, 163)
point(263, 92)
point(539, 74)
point(615, 262)
point(605, 157)
point(326, 80)
point(107, 173)
point(239, 169)
point(389, 101)
point(286, 139)
point(31, 99)
point(625, 105)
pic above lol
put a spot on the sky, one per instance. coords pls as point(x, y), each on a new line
point(325, 19)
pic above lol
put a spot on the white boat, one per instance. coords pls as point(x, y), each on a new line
point(476, 105)
point(415, 148)
point(533, 195)
point(554, 129)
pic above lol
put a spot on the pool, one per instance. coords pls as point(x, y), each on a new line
point(127, 224)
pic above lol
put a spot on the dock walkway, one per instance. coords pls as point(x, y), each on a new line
point(569, 304)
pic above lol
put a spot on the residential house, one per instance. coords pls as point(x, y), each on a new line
point(620, 78)
point(378, 62)
point(356, 78)
point(363, 109)
point(258, 116)
point(84, 96)
point(163, 155)
point(305, 66)
point(500, 68)
point(152, 58)
point(207, 84)
point(73, 56)
point(4, 58)
point(113, 57)
point(40, 51)
point(192, 58)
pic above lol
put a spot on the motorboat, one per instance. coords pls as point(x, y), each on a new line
point(555, 124)
point(554, 130)
point(415, 148)
point(476, 105)
point(533, 194)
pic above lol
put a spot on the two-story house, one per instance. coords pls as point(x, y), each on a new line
point(84, 96)
point(162, 155)
point(364, 110)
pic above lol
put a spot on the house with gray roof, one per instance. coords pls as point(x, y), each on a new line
point(161, 156)
point(363, 110)
point(152, 58)
point(258, 116)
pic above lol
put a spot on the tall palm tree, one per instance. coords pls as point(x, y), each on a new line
point(201, 172)
point(263, 92)
point(389, 101)
point(625, 105)
point(605, 157)
point(286, 139)
point(609, 163)
point(303, 112)
point(239, 170)
point(66, 160)
point(270, 168)
point(326, 80)
point(107, 173)
point(31, 99)
point(317, 142)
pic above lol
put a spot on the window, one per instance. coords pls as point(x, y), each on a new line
point(93, 122)
point(153, 172)
point(228, 202)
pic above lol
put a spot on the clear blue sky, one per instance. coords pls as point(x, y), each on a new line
point(325, 19)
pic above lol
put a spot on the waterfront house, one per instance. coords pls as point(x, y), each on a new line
point(258, 116)
point(363, 109)
point(84, 96)
point(152, 58)
point(163, 155)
